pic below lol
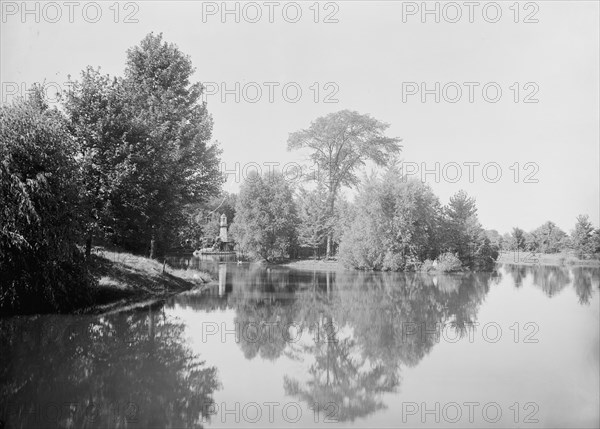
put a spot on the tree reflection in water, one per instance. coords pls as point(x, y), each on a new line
point(384, 321)
point(362, 327)
point(358, 330)
point(124, 370)
point(553, 279)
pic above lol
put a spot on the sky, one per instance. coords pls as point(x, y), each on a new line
point(499, 99)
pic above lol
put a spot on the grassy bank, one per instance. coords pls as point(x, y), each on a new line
point(551, 259)
point(125, 280)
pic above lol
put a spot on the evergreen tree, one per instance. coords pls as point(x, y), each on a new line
point(583, 236)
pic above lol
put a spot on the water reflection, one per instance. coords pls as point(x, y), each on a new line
point(353, 334)
point(552, 280)
point(362, 326)
point(127, 370)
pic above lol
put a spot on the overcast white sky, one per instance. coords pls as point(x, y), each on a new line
point(368, 57)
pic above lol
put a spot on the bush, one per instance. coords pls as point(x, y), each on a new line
point(427, 266)
point(41, 267)
point(448, 262)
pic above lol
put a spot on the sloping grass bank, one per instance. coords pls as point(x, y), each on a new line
point(125, 279)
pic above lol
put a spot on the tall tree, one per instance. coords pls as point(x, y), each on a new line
point(185, 167)
point(340, 144)
point(145, 146)
point(111, 156)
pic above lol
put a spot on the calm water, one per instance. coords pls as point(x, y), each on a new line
point(281, 347)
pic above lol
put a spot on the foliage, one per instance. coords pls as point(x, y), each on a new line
point(583, 238)
point(339, 144)
point(41, 268)
point(548, 238)
point(129, 369)
point(314, 221)
point(463, 233)
point(112, 157)
point(145, 147)
point(395, 224)
point(266, 217)
point(485, 255)
point(203, 221)
point(448, 262)
point(518, 239)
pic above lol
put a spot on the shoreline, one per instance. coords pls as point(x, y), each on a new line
point(127, 281)
point(545, 259)
point(509, 258)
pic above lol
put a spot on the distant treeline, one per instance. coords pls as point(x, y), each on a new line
point(583, 241)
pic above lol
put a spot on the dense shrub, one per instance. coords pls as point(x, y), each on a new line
point(41, 268)
point(448, 262)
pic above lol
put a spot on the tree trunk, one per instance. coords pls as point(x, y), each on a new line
point(330, 232)
point(88, 246)
point(152, 247)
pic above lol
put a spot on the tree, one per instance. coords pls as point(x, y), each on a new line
point(266, 217)
point(41, 268)
point(518, 239)
point(463, 232)
point(495, 238)
point(395, 224)
point(548, 238)
point(145, 146)
point(339, 144)
point(583, 236)
point(314, 221)
point(111, 156)
point(186, 167)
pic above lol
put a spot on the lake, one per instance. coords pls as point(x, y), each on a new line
point(273, 347)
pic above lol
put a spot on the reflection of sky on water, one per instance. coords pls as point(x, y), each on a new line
point(363, 341)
